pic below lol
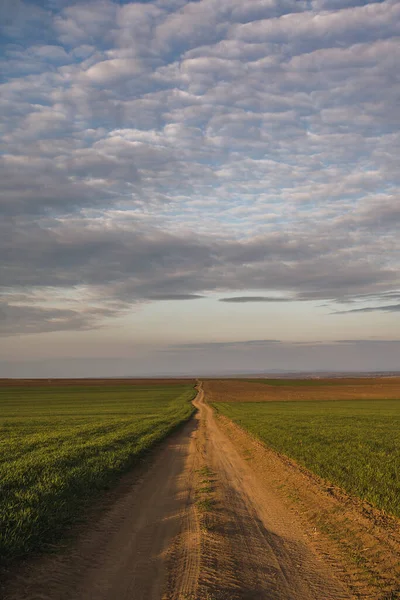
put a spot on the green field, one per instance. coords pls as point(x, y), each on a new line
point(354, 444)
point(62, 445)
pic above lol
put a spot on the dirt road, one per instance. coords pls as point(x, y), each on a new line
point(196, 525)
point(253, 548)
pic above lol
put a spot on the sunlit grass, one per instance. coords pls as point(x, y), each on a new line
point(60, 446)
point(354, 444)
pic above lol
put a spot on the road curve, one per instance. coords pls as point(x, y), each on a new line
point(153, 543)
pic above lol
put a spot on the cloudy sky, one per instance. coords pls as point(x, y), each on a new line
point(199, 186)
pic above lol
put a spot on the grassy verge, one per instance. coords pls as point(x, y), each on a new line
point(353, 444)
point(62, 445)
point(205, 497)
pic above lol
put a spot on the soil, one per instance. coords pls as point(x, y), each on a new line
point(213, 515)
point(378, 388)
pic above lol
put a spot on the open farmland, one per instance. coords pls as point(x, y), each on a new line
point(214, 513)
point(62, 443)
point(345, 431)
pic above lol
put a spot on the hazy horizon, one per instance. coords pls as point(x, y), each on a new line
point(199, 185)
point(256, 356)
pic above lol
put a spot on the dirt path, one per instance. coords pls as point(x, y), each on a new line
point(197, 525)
point(253, 548)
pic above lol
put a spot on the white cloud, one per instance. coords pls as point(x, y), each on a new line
point(326, 28)
point(107, 71)
point(85, 21)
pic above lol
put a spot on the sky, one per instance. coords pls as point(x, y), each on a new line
point(199, 187)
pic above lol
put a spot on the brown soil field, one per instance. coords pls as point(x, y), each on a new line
point(214, 515)
point(238, 390)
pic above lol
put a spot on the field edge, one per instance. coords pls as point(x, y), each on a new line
point(68, 530)
point(363, 542)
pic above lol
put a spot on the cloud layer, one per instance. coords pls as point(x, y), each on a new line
point(169, 150)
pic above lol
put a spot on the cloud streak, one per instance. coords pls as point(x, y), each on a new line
point(245, 299)
point(387, 308)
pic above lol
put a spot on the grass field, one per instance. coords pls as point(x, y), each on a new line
point(352, 443)
point(61, 445)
